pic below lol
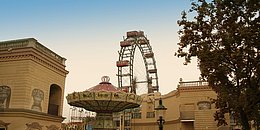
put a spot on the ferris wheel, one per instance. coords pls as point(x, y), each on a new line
point(129, 79)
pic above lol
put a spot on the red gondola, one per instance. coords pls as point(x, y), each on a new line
point(148, 55)
point(125, 43)
point(122, 63)
point(152, 70)
point(132, 34)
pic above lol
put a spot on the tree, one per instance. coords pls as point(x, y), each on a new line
point(224, 35)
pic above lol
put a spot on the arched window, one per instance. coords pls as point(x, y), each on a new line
point(54, 100)
point(5, 94)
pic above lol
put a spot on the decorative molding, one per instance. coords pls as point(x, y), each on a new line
point(14, 57)
point(2, 123)
point(34, 126)
point(14, 44)
point(52, 127)
point(30, 42)
point(34, 58)
point(197, 88)
point(153, 123)
point(5, 93)
point(47, 51)
point(204, 105)
point(28, 113)
point(38, 96)
point(30, 48)
point(49, 65)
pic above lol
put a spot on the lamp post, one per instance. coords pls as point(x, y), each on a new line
point(160, 110)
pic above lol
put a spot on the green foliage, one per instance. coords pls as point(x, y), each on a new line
point(225, 37)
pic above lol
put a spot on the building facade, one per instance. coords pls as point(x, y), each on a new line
point(188, 108)
point(32, 81)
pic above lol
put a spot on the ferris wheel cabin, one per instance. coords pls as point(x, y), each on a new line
point(134, 33)
point(122, 63)
point(125, 43)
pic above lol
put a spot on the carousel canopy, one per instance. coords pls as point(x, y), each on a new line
point(104, 98)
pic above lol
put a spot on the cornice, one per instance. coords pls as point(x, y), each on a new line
point(176, 93)
point(34, 55)
point(135, 123)
point(194, 88)
point(30, 42)
point(11, 112)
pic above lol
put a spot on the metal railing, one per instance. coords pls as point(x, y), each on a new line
point(193, 83)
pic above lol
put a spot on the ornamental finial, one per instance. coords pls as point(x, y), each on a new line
point(105, 79)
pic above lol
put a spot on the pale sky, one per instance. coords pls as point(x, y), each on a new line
point(87, 33)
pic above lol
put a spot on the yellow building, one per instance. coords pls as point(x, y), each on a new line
point(188, 108)
point(32, 81)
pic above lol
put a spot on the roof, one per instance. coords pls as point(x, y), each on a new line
point(33, 43)
point(104, 86)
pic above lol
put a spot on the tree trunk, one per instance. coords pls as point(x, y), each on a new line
point(244, 120)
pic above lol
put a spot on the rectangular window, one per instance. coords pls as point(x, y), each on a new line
point(127, 122)
point(137, 115)
point(117, 123)
point(150, 115)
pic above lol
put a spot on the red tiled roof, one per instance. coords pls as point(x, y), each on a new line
point(104, 86)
